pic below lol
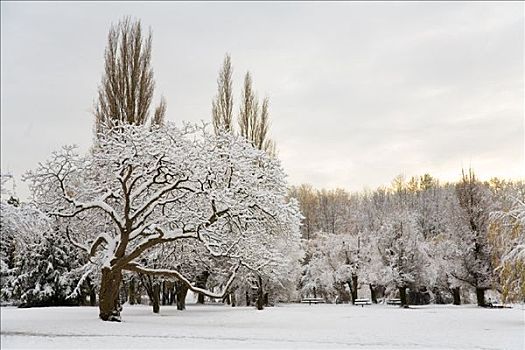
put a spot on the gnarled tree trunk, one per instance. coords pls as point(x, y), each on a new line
point(109, 303)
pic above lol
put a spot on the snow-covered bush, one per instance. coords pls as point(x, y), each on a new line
point(39, 268)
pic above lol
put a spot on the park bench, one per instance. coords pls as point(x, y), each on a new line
point(498, 306)
point(362, 302)
point(393, 302)
point(311, 301)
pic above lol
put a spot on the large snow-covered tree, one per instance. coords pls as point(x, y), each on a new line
point(141, 187)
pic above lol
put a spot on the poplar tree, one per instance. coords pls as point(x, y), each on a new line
point(126, 91)
point(254, 121)
point(222, 105)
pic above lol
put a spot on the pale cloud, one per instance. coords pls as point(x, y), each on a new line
point(360, 92)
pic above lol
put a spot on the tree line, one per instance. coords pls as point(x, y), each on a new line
point(420, 240)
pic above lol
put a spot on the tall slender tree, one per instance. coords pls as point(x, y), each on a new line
point(126, 91)
point(248, 112)
point(254, 121)
point(222, 105)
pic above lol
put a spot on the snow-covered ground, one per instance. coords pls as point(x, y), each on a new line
point(284, 326)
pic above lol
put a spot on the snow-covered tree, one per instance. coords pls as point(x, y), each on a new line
point(8, 207)
point(39, 269)
point(404, 253)
point(306, 195)
point(44, 274)
point(333, 267)
point(507, 238)
point(151, 186)
point(475, 266)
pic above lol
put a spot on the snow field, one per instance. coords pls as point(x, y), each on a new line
point(284, 326)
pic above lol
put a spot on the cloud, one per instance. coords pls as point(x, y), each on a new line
point(360, 92)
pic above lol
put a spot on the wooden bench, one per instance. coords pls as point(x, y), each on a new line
point(393, 302)
point(311, 301)
point(362, 302)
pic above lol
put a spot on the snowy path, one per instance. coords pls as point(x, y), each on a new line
point(285, 326)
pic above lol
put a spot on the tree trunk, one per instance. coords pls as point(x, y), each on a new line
point(201, 282)
point(200, 299)
point(456, 295)
point(172, 294)
point(373, 293)
point(352, 300)
point(109, 303)
point(354, 288)
point(247, 299)
point(266, 300)
point(152, 286)
point(92, 292)
point(164, 293)
point(260, 295)
point(234, 300)
point(131, 293)
point(181, 291)
point(92, 297)
point(480, 296)
point(155, 300)
point(403, 296)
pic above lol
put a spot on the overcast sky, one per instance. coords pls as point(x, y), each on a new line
point(360, 92)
